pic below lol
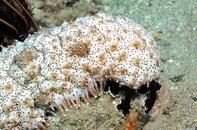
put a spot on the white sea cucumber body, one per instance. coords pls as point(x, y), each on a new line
point(59, 67)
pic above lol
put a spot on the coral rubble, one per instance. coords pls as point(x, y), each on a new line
point(49, 13)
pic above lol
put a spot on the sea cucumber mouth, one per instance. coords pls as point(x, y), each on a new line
point(127, 94)
point(97, 88)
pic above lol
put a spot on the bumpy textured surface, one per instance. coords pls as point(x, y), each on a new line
point(65, 65)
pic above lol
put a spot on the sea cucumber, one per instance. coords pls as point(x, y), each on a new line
point(63, 66)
